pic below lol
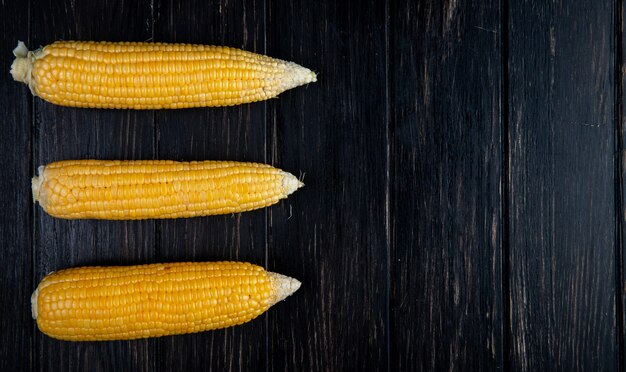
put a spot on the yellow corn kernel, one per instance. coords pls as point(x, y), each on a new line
point(135, 75)
point(147, 189)
point(129, 302)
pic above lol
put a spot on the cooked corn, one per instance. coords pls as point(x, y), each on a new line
point(146, 189)
point(129, 302)
point(152, 75)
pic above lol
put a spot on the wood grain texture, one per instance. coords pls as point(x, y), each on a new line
point(232, 133)
point(446, 194)
point(463, 207)
point(619, 162)
point(332, 234)
point(562, 227)
point(16, 324)
point(68, 133)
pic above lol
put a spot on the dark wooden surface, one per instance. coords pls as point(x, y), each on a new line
point(464, 203)
point(562, 218)
point(445, 89)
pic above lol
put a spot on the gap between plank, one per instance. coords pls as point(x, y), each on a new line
point(34, 148)
point(266, 157)
point(387, 190)
point(506, 188)
point(619, 181)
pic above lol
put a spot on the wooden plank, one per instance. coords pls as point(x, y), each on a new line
point(445, 79)
point(69, 133)
point(332, 234)
point(17, 326)
point(233, 133)
point(562, 229)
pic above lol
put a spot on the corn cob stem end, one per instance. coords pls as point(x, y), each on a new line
point(33, 303)
point(22, 65)
point(283, 286)
point(36, 183)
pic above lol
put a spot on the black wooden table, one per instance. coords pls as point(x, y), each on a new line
point(464, 207)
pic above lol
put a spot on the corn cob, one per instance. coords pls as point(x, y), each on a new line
point(137, 75)
point(129, 302)
point(132, 190)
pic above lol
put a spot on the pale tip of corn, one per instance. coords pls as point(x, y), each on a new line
point(290, 183)
point(20, 68)
point(36, 184)
point(283, 286)
point(294, 76)
point(33, 303)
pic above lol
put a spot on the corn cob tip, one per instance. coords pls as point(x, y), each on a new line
point(22, 65)
point(296, 75)
point(283, 286)
point(290, 183)
point(36, 184)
